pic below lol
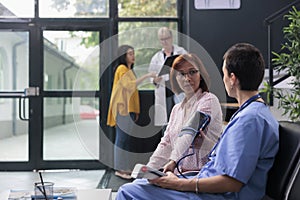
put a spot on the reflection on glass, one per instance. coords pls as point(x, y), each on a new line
point(14, 132)
point(143, 37)
point(12, 9)
point(71, 128)
point(71, 60)
point(147, 8)
point(73, 8)
point(13, 61)
point(13, 78)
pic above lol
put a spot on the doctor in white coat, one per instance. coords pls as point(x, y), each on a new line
point(163, 105)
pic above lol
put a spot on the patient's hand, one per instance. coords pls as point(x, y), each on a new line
point(170, 166)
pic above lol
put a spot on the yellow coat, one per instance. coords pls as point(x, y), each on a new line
point(124, 96)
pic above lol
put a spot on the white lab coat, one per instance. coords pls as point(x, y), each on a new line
point(160, 105)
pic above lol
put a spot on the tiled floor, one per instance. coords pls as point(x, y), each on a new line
point(88, 179)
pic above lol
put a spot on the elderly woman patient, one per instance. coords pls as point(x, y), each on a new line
point(239, 163)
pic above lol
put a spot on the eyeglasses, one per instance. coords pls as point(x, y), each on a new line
point(190, 73)
point(164, 39)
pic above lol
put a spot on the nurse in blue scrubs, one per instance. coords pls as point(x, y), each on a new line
point(239, 163)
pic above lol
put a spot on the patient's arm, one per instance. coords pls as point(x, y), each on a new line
point(185, 139)
point(182, 144)
point(161, 154)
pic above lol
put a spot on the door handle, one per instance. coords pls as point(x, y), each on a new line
point(28, 92)
point(22, 109)
point(31, 91)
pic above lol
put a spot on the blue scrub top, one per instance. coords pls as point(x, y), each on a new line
point(246, 151)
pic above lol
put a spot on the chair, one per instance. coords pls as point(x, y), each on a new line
point(293, 192)
point(283, 178)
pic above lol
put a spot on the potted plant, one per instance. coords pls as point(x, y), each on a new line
point(288, 61)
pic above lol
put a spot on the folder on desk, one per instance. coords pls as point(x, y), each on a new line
point(63, 192)
point(20, 194)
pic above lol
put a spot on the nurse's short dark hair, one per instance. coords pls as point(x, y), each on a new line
point(247, 63)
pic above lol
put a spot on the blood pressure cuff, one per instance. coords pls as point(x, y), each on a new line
point(197, 122)
point(190, 130)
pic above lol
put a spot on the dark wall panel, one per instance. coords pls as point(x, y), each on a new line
point(216, 30)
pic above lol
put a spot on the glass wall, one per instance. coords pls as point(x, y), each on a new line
point(12, 9)
point(71, 129)
point(69, 63)
point(73, 8)
point(147, 8)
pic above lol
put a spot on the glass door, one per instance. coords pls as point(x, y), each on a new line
point(70, 92)
point(70, 95)
point(14, 103)
point(50, 98)
point(50, 83)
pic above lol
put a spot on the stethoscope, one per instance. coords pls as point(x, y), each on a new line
point(243, 106)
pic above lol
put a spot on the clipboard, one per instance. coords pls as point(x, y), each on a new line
point(167, 65)
point(166, 69)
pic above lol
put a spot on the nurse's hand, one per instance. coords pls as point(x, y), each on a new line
point(169, 182)
point(170, 166)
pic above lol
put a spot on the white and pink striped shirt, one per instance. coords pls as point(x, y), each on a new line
point(205, 102)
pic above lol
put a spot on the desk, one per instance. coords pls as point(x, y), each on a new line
point(94, 194)
point(88, 194)
point(230, 105)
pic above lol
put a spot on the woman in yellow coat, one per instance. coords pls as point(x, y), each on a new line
point(124, 108)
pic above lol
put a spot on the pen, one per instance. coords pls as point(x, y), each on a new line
point(42, 181)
